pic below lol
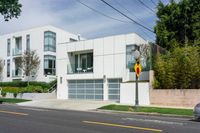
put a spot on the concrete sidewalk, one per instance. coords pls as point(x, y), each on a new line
point(83, 105)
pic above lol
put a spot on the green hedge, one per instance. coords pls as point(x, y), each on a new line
point(178, 69)
point(28, 89)
point(13, 84)
point(44, 85)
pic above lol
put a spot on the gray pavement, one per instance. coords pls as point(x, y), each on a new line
point(36, 120)
point(83, 105)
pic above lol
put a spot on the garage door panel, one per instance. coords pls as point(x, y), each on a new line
point(80, 96)
point(99, 97)
point(89, 96)
point(90, 91)
point(72, 96)
point(100, 91)
point(89, 85)
point(72, 91)
point(114, 89)
point(86, 89)
point(80, 91)
point(113, 97)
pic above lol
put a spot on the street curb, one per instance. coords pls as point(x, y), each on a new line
point(144, 113)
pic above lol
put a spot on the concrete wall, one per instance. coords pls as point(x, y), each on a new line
point(33, 96)
point(127, 93)
point(171, 97)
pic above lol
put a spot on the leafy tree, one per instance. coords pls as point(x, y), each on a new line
point(29, 63)
point(10, 9)
point(1, 67)
point(178, 69)
point(178, 24)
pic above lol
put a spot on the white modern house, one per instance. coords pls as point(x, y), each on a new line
point(41, 39)
point(102, 69)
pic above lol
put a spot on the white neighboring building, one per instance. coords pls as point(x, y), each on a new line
point(101, 69)
point(43, 40)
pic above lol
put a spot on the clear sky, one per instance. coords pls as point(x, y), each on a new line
point(74, 17)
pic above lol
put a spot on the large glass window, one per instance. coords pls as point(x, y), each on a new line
point(49, 41)
point(130, 60)
point(82, 63)
point(18, 46)
point(28, 42)
point(144, 58)
point(49, 65)
point(8, 68)
point(8, 47)
point(86, 62)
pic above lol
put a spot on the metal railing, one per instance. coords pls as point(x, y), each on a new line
point(16, 73)
point(17, 52)
point(73, 69)
point(53, 88)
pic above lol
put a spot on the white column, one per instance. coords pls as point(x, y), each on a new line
point(105, 90)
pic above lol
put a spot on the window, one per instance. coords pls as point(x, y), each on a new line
point(49, 41)
point(130, 60)
point(8, 68)
point(28, 42)
point(8, 47)
point(86, 62)
point(49, 65)
point(18, 46)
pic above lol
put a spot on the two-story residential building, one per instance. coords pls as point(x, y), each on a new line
point(102, 69)
point(43, 40)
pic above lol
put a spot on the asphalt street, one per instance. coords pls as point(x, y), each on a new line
point(17, 119)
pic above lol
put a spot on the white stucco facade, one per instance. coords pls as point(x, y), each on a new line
point(36, 42)
point(95, 69)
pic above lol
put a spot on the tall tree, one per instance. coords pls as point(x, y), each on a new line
point(10, 9)
point(1, 67)
point(178, 24)
point(29, 63)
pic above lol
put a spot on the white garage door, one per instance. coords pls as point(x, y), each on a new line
point(114, 89)
point(85, 89)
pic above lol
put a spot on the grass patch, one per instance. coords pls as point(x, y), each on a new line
point(12, 100)
point(173, 111)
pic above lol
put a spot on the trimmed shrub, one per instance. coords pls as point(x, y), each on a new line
point(13, 84)
point(3, 93)
point(44, 85)
point(15, 94)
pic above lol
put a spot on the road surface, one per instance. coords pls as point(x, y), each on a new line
point(17, 119)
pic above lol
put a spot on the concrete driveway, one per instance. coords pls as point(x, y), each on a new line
point(83, 105)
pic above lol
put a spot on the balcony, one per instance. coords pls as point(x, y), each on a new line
point(17, 52)
point(74, 69)
point(16, 73)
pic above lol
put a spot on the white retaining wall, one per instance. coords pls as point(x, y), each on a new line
point(33, 96)
point(127, 93)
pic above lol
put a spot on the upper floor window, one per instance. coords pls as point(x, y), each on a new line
point(8, 47)
point(8, 68)
point(49, 65)
point(28, 42)
point(49, 41)
point(144, 57)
